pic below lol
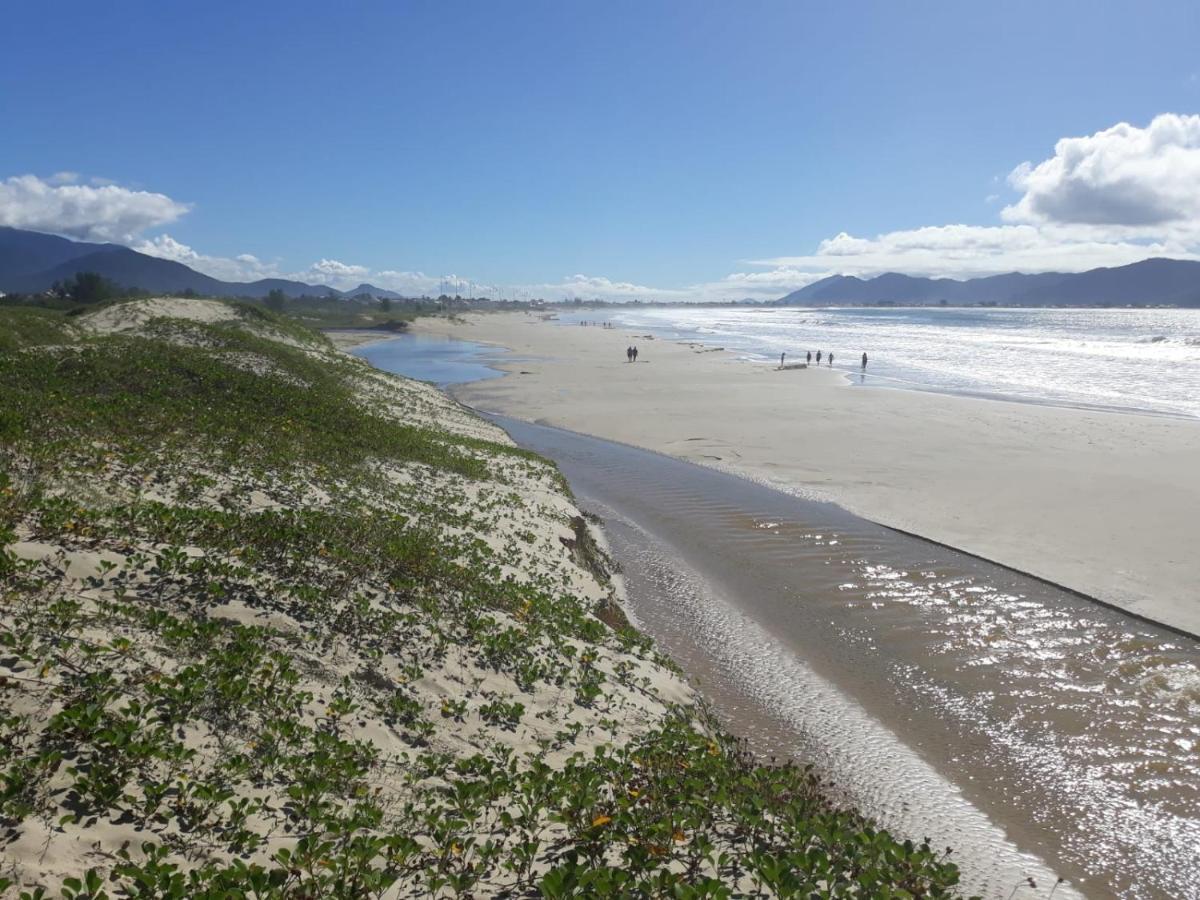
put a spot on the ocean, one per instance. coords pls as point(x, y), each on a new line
point(1138, 360)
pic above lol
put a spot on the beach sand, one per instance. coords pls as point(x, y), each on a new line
point(1103, 503)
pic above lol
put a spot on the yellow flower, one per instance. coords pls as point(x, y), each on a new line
point(601, 820)
point(456, 849)
point(679, 836)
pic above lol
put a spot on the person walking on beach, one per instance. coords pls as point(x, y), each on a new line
point(781, 356)
point(629, 354)
point(635, 352)
point(808, 358)
point(831, 359)
point(864, 362)
point(818, 357)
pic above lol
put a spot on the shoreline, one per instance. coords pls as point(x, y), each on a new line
point(1094, 502)
point(1090, 598)
point(347, 339)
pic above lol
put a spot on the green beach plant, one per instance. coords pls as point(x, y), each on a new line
point(290, 627)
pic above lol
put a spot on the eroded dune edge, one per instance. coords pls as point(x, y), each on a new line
point(274, 623)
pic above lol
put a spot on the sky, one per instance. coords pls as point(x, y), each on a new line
point(658, 150)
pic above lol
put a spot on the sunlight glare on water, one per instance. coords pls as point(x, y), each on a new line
point(1073, 729)
point(1135, 359)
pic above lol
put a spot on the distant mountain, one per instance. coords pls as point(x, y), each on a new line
point(27, 252)
point(126, 267)
point(1151, 281)
point(1173, 282)
point(32, 262)
point(377, 292)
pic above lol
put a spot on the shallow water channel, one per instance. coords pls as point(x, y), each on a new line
point(1038, 733)
point(1033, 730)
point(442, 360)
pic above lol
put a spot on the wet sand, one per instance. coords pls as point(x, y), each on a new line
point(1104, 503)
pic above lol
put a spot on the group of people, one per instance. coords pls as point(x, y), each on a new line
point(808, 358)
point(631, 354)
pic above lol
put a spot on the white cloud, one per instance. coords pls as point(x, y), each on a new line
point(1123, 179)
point(105, 213)
point(248, 267)
point(344, 276)
point(598, 287)
point(763, 285)
point(243, 267)
point(1116, 197)
point(412, 284)
point(963, 251)
point(334, 272)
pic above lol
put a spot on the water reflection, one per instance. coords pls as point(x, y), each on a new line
point(441, 360)
point(1073, 728)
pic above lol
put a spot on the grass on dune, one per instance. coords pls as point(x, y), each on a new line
point(132, 394)
point(29, 327)
point(245, 763)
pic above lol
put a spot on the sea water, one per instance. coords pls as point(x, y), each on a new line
point(1142, 360)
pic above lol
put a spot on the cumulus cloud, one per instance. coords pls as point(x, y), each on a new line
point(248, 267)
point(760, 285)
point(1111, 198)
point(600, 287)
point(964, 251)
point(1125, 177)
point(344, 276)
point(334, 272)
point(92, 212)
point(763, 285)
point(243, 267)
point(1118, 196)
point(412, 284)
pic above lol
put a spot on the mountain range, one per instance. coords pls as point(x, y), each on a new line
point(31, 262)
point(1151, 282)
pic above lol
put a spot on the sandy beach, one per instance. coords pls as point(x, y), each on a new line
point(1103, 503)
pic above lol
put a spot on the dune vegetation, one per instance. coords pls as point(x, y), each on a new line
point(276, 624)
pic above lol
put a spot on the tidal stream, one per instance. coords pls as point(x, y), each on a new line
point(1037, 733)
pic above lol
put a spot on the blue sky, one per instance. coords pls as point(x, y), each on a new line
point(685, 149)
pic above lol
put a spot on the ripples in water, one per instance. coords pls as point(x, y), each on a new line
point(1006, 717)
